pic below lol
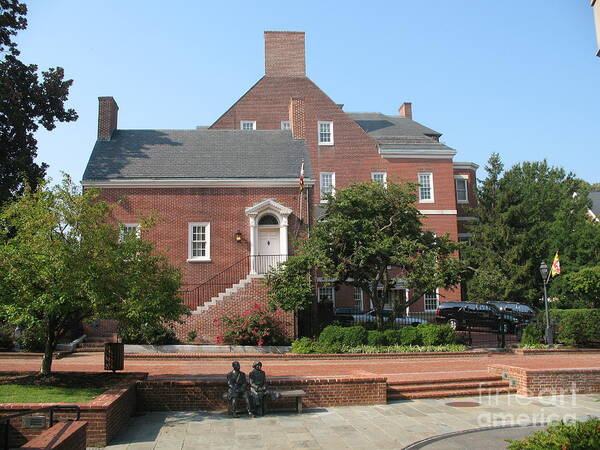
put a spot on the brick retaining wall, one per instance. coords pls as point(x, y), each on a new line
point(189, 395)
point(105, 415)
point(62, 436)
point(534, 382)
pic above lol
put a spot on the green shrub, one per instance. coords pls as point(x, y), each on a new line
point(147, 335)
point(32, 339)
point(348, 336)
point(576, 327)
point(410, 336)
point(562, 435)
point(393, 337)
point(191, 336)
point(436, 334)
point(304, 346)
point(532, 335)
point(331, 333)
point(376, 338)
point(355, 336)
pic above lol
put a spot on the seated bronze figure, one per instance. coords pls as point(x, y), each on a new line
point(238, 389)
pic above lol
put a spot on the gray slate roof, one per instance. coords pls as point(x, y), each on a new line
point(398, 131)
point(595, 196)
point(200, 153)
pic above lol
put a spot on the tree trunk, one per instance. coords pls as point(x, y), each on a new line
point(48, 350)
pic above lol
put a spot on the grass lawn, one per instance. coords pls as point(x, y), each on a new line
point(59, 387)
point(47, 394)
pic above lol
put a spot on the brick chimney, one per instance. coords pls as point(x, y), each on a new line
point(107, 117)
point(297, 121)
point(284, 54)
point(406, 110)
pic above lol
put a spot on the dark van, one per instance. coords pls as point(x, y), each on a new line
point(461, 315)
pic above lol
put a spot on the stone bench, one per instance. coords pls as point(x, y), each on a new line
point(296, 394)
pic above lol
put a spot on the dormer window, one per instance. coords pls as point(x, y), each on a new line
point(248, 125)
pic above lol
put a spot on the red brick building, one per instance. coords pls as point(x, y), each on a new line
point(227, 195)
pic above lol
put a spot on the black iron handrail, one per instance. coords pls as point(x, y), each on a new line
point(6, 419)
point(201, 293)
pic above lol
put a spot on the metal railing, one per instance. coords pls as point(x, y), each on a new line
point(50, 409)
point(194, 296)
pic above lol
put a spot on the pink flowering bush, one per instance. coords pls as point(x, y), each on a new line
point(253, 327)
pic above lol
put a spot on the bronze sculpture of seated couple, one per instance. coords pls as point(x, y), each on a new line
point(238, 389)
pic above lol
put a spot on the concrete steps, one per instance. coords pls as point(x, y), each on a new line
point(243, 283)
point(483, 385)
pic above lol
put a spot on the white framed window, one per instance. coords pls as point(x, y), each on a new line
point(326, 294)
point(462, 194)
point(379, 177)
point(325, 133)
point(199, 241)
point(358, 298)
point(128, 229)
point(285, 125)
point(426, 187)
point(431, 301)
point(248, 125)
point(327, 184)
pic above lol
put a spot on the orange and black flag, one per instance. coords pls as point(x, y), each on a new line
point(301, 184)
point(555, 266)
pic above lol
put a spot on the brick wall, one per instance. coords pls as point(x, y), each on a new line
point(107, 117)
point(189, 395)
point(175, 208)
point(209, 327)
point(62, 436)
point(535, 382)
point(105, 416)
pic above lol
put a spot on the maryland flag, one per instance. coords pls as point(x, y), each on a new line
point(555, 270)
point(302, 177)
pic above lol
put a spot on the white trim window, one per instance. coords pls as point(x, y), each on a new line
point(248, 125)
point(358, 298)
point(425, 187)
point(127, 229)
point(379, 177)
point(326, 293)
point(462, 193)
point(285, 125)
point(325, 133)
point(199, 241)
point(431, 301)
point(327, 184)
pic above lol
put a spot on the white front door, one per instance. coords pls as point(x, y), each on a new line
point(268, 249)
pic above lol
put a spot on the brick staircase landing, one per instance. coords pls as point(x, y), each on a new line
point(482, 385)
point(95, 343)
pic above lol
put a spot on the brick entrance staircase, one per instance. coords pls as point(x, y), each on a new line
point(233, 301)
point(480, 385)
point(95, 343)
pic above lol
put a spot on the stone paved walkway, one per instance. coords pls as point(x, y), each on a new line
point(391, 426)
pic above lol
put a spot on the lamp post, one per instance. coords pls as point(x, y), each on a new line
point(544, 274)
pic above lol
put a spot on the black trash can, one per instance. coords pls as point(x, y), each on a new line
point(114, 356)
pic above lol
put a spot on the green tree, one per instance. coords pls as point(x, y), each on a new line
point(370, 237)
point(27, 102)
point(62, 260)
point(579, 289)
point(525, 215)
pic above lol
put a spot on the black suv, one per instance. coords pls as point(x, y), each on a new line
point(460, 315)
point(524, 313)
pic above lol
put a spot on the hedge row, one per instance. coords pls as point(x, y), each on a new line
point(573, 327)
point(334, 339)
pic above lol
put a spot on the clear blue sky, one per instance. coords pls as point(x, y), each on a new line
point(516, 77)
